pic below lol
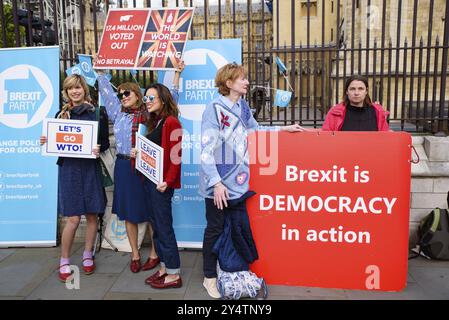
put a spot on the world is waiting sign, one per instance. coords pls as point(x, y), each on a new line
point(144, 38)
point(69, 138)
point(149, 159)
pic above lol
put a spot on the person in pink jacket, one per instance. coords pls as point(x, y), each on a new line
point(356, 112)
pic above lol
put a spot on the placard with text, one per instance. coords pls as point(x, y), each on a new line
point(69, 138)
point(121, 40)
point(144, 39)
point(149, 159)
point(332, 208)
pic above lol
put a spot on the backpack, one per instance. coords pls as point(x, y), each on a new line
point(433, 234)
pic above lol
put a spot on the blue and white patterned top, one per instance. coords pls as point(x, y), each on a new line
point(224, 148)
point(122, 121)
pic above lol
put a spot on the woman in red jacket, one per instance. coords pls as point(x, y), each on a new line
point(356, 112)
point(165, 130)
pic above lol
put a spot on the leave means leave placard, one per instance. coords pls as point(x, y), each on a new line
point(149, 159)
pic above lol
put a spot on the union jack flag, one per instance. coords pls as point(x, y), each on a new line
point(165, 38)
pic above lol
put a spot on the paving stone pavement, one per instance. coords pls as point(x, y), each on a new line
point(31, 274)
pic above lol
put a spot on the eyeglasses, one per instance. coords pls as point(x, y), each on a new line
point(125, 93)
point(149, 99)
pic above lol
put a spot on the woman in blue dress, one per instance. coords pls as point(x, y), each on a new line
point(80, 188)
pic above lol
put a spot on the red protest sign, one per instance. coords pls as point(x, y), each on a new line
point(165, 38)
point(144, 38)
point(333, 210)
point(121, 40)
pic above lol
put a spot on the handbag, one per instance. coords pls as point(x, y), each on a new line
point(241, 284)
point(105, 176)
point(115, 232)
point(103, 163)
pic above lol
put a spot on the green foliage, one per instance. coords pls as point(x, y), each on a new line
point(8, 22)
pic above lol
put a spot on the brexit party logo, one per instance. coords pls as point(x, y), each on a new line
point(282, 98)
point(26, 96)
point(84, 68)
point(118, 229)
point(197, 86)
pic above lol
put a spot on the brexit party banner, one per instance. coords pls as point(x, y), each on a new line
point(69, 138)
point(29, 90)
point(144, 39)
point(335, 208)
point(197, 88)
point(149, 159)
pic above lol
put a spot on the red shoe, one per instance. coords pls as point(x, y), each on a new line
point(151, 263)
point(135, 266)
point(161, 284)
point(64, 276)
point(89, 269)
point(155, 277)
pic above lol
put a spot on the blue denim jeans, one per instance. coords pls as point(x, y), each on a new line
point(159, 204)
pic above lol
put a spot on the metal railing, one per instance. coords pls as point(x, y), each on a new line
point(406, 65)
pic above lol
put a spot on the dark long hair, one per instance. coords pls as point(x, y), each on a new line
point(356, 77)
point(169, 107)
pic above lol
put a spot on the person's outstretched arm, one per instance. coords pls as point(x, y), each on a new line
point(175, 86)
point(110, 100)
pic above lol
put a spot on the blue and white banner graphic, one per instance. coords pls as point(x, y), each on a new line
point(76, 69)
point(85, 62)
point(84, 68)
point(29, 91)
point(282, 98)
point(197, 88)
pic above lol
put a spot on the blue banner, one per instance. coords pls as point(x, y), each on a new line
point(84, 68)
point(282, 98)
point(197, 88)
point(29, 91)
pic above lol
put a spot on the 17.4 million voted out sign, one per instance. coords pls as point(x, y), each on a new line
point(332, 211)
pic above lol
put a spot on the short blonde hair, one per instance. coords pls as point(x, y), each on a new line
point(230, 71)
point(73, 81)
point(131, 86)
